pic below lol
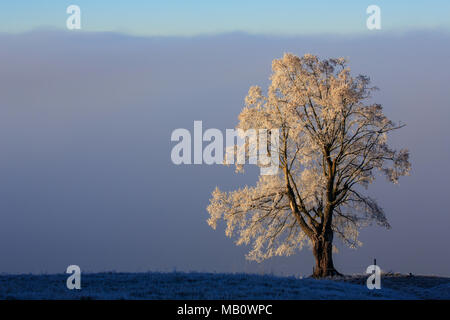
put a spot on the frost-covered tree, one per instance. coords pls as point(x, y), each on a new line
point(332, 144)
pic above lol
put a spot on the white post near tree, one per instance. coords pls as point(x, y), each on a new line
point(331, 145)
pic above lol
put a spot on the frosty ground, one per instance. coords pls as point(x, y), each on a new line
point(177, 285)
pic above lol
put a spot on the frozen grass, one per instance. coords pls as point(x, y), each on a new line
point(178, 285)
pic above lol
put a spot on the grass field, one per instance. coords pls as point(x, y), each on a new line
point(178, 285)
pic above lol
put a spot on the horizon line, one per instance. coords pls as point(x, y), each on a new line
point(356, 34)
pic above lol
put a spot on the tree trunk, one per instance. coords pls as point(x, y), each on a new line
point(322, 249)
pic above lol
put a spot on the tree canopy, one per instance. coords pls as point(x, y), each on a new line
point(332, 144)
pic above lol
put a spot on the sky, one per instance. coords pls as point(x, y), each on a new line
point(187, 18)
point(86, 119)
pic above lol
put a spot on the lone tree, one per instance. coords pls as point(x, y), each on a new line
point(331, 146)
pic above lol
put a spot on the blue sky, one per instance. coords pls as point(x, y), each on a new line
point(178, 17)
